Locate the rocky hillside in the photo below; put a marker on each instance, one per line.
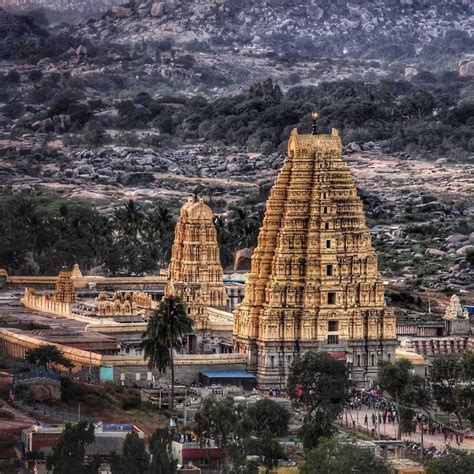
(318, 28)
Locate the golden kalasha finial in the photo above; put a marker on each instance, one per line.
(314, 125)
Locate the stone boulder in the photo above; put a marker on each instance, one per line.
(315, 12)
(455, 238)
(466, 68)
(353, 147)
(120, 12)
(243, 259)
(44, 126)
(429, 207)
(434, 253)
(81, 50)
(135, 179)
(39, 391)
(463, 251)
(158, 9)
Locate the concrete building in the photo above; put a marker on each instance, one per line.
(207, 457)
(108, 437)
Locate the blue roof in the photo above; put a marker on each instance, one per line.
(117, 427)
(228, 374)
(469, 309)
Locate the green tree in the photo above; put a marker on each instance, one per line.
(319, 380)
(133, 459)
(399, 381)
(95, 134)
(165, 330)
(160, 450)
(464, 391)
(267, 417)
(319, 383)
(446, 376)
(456, 460)
(317, 425)
(269, 451)
(68, 455)
(218, 419)
(13, 76)
(333, 456)
(48, 355)
(35, 75)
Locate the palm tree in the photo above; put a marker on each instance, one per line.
(129, 218)
(164, 333)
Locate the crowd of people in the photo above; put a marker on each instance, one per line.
(384, 411)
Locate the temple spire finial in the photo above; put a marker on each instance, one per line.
(314, 124)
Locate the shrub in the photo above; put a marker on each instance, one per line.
(131, 403)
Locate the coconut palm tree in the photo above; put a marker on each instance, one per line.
(164, 333)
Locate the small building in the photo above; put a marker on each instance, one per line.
(417, 360)
(239, 378)
(40, 439)
(207, 457)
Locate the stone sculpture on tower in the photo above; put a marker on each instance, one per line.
(314, 283)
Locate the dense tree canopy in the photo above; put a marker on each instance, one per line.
(68, 455)
(319, 383)
(133, 459)
(334, 456)
(40, 233)
(267, 417)
(318, 380)
(408, 390)
(420, 117)
(244, 430)
(218, 419)
(162, 461)
(451, 384)
(456, 460)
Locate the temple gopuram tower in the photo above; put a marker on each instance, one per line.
(195, 272)
(64, 292)
(314, 283)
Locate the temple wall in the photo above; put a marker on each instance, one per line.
(48, 282)
(45, 303)
(133, 369)
(17, 345)
(187, 366)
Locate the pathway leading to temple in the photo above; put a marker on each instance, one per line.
(390, 429)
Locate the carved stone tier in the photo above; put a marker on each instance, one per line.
(64, 292)
(195, 273)
(314, 282)
(124, 303)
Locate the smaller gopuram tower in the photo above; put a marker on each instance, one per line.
(195, 272)
(64, 292)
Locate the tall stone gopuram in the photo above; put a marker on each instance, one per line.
(314, 283)
(195, 272)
